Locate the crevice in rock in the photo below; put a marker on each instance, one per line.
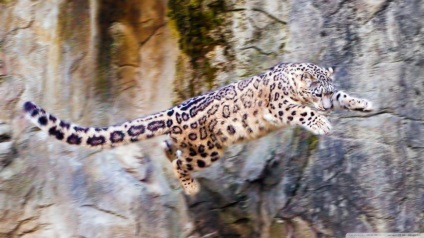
(340, 6)
(4, 138)
(383, 8)
(259, 50)
(15, 30)
(152, 34)
(269, 15)
(112, 213)
(381, 112)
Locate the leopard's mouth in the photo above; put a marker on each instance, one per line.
(319, 106)
(322, 109)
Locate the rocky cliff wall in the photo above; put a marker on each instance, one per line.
(101, 62)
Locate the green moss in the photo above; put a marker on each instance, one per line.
(109, 12)
(73, 32)
(5, 1)
(305, 139)
(197, 22)
(312, 142)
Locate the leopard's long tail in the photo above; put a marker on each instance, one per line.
(106, 137)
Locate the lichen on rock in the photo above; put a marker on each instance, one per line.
(199, 25)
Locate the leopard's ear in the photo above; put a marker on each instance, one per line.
(308, 78)
(330, 72)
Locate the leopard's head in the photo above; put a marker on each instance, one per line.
(317, 86)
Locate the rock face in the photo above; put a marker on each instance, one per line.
(101, 62)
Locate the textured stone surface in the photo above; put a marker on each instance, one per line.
(101, 62)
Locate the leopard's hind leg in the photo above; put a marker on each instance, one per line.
(194, 159)
(190, 185)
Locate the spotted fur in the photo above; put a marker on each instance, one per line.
(202, 127)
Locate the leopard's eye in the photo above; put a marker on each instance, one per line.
(318, 95)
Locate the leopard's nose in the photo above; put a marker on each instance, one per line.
(327, 108)
(326, 103)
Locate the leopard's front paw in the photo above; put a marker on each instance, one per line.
(191, 187)
(320, 125)
(368, 106)
(363, 105)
